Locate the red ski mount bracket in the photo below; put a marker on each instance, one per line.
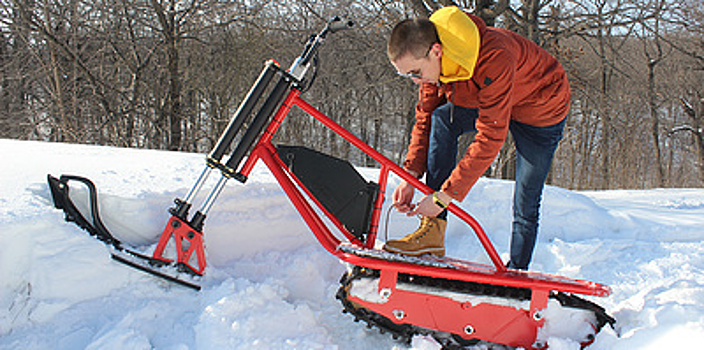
(188, 245)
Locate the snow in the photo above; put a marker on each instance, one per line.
(270, 285)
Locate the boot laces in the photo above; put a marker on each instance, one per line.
(425, 224)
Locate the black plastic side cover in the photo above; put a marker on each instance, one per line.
(335, 184)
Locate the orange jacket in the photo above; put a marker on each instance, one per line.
(513, 79)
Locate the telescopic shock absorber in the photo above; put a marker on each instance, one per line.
(214, 158)
(187, 233)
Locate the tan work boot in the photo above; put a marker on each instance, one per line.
(429, 238)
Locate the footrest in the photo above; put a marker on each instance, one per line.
(456, 269)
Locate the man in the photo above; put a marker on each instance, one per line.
(476, 78)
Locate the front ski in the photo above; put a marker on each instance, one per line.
(175, 272)
(171, 272)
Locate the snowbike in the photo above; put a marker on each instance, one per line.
(457, 302)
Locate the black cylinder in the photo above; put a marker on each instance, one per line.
(243, 112)
(259, 122)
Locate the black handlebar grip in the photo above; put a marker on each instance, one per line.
(337, 24)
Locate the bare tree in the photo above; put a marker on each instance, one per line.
(696, 117)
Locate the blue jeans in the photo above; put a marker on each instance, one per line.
(535, 148)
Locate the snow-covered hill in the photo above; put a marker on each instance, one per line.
(270, 285)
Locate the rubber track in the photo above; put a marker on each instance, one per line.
(405, 332)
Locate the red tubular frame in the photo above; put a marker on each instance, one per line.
(466, 271)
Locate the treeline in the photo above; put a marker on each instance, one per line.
(168, 74)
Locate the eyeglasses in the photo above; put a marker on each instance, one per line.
(411, 75)
(416, 73)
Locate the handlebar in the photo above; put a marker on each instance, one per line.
(302, 63)
(337, 24)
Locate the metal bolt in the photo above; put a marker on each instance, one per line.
(539, 345)
(399, 314)
(385, 293)
(537, 316)
(468, 329)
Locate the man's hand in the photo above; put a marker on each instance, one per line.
(402, 197)
(427, 207)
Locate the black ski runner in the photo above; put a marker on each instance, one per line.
(173, 272)
(170, 272)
